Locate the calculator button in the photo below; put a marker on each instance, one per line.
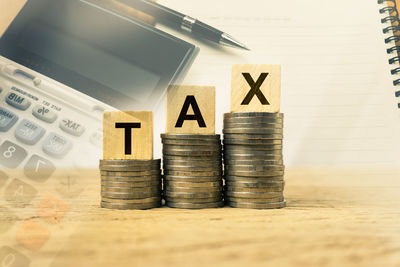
(17, 101)
(28, 132)
(39, 169)
(9, 257)
(19, 193)
(11, 155)
(57, 146)
(72, 127)
(44, 114)
(7, 119)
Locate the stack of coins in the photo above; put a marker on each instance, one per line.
(130, 184)
(253, 160)
(192, 171)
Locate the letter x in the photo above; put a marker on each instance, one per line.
(255, 88)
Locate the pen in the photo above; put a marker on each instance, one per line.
(181, 21)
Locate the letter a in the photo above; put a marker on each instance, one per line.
(190, 101)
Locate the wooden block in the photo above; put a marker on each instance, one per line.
(190, 109)
(247, 95)
(141, 138)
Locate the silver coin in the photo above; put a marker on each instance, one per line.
(191, 163)
(254, 153)
(192, 148)
(253, 162)
(253, 120)
(252, 142)
(279, 185)
(193, 153)
(265, 131)
(130, 173)
(130, 206)
(253, 136)
(192, 184)
(254, 173)
(193, 173)
(188, 205)
(257, 125)
(131, 190)
(194, 200)
(232, 178)
(190, 195)
(132, 201)
(130, 179)
(255, 200)
(255, 168)
(132, 195)
(235, 157)
(175, 189)
(249, 205)
(192, 142)
(130, 162)
(253, 114)
(193, 158)
(190, 136)
(192, 179)
(129, 184)
(260, 189)
(191, 168)
(261, 195)
(121, 168)
(252, 148)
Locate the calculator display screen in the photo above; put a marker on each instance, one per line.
(90, 61)
(116, 60)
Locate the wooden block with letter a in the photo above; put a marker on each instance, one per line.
(190, 109)
(255, 88)
(128, 135)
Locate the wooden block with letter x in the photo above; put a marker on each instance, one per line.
(190, 109)
(255, 88)
(128, 135)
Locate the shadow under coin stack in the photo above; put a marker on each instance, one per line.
(130, 184)
(192, 171)
(253, 160)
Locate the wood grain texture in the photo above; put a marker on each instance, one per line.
(270, 88)
(334, 218)
(205, 99)
(114, 139)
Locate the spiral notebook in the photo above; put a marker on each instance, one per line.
(337, 89)
(391, 28)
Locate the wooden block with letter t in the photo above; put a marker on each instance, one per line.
(128, 135)
(190, 109)
(255, 88)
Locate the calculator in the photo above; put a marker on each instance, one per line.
(62, 63)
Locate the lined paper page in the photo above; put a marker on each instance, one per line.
(337, 92)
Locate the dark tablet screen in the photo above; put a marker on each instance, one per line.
(116, 60)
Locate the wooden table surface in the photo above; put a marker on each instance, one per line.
(333, 218)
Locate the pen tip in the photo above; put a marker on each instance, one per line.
(228, 40)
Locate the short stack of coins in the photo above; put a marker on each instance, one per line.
(130, 184)
(192, 167)
(253, 161)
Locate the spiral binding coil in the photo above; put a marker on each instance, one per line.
(393, 18)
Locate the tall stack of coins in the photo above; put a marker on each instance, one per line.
(253, 161)
(192, 171)
(130, 184)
